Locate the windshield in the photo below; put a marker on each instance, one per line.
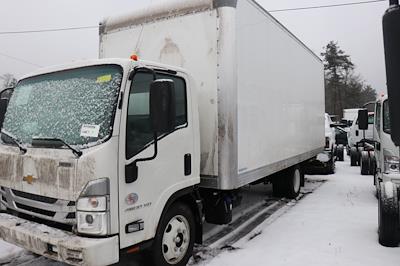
(386, 117)
(76, 106)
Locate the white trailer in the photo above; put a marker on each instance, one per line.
(129, 154)
(260, 89)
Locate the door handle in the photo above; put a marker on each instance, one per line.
(188, 164)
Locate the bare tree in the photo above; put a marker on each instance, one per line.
(8, 80)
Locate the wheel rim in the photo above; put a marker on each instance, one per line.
(176, 239)
(296, 181)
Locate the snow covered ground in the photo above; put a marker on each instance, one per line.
(335, 225)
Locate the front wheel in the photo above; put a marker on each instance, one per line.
(173, 244)
(388, 215)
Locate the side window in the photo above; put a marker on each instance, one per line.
(386, 117)
(139, 133)
(378, 117)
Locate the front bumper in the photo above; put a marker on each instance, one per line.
(395, 178)
(57, 244)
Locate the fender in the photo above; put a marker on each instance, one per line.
(189, 195)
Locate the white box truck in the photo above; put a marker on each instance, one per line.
(112, 156)
(385, 167)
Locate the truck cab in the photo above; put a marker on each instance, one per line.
(356, 135)
(74, 139)
(386, 153)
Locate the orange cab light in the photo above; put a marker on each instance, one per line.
(134, 57)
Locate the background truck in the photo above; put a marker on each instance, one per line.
(388, 193)
(360, 137)
(112, 156)
(387, 174)
(349, 115)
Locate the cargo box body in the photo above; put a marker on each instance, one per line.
(260, 90)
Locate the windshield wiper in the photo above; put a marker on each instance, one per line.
(46, 142)
(14, 139)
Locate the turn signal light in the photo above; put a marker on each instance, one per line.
(134, 57)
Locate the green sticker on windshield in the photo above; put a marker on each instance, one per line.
(103, 79)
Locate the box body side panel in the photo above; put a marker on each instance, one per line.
(188, 41)
(280, 94)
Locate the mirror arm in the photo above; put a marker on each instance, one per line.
(132, 177)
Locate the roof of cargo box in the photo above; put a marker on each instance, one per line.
(172, 8)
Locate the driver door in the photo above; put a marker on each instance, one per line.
(142, 201)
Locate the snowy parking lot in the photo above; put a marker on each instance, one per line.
(334, 225)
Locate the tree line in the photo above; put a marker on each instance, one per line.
(343, 87)
(7, 80)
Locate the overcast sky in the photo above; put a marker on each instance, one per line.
(356, 28)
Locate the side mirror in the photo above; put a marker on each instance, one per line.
(3, 110)
(363, 119)
(162, 105)
(391, 34)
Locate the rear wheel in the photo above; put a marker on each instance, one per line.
(372, 163)
(388, 215)
(365, 160)
(353, 156)
(293, 183)
(287, 183)
(174, 241)
(340, 153)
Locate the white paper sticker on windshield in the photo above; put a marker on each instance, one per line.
(91, 131)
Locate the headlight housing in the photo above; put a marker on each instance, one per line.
(391, 163)
(92, 208)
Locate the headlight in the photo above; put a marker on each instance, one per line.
(92, 208)
(391, 164)
(93, 223)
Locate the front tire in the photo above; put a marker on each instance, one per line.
(388, 215)
(174, 241)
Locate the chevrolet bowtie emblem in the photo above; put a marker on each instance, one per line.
(29, 179)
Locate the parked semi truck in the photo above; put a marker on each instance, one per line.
(113, 156)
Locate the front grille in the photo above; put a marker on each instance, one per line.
(34, 197)
(71, 215)
(35, 210)
(39, 207)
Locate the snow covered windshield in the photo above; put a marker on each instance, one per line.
(76, 106)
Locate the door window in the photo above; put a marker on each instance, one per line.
(139, 132)
(378, 117)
